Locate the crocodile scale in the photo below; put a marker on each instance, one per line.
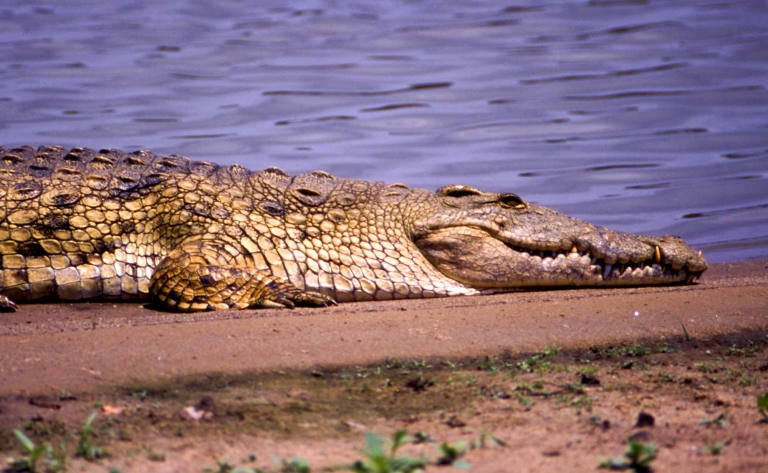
(189, 235)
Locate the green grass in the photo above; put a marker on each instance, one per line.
(294, 465)
(155, 456)
(41, 457)
(638, 458)
(88, 447)
(714, 448)
(721, 420)
(451, 453)
(762, 405)
(381, 456)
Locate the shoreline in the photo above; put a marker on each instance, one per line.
(47, 348)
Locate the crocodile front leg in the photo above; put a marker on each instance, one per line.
(192, 278)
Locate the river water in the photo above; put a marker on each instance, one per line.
(645, 116)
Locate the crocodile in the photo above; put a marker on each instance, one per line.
(79, 224)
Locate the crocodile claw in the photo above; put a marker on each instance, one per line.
(7, 305)
(313, 299)
(289, 301)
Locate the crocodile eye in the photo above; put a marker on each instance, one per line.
(458, 191)
(511, 201)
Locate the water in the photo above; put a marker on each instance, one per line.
(645, 116)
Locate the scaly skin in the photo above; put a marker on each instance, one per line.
(192, 236)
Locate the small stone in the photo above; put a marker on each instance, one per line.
(191, 413)
(645, 420)
(206, 404)
(587, 380)
(112, 411)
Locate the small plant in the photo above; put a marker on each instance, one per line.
(714, 448)
(583, 402)
(639, 457)
(224, 467)
(154, 456)
(749, 380)
(762, 405)
(667, 377)
(490, 365)
(450, 454)
(52, 460)
(721, 420)
(687, 336)
(551, 350)
(539, 361)
(525, 401)
(487, 439)
(86, 448)
(294, 465)
(637, 350)
(575, 388)
(594, 420)
(34, 454)
(380, 459)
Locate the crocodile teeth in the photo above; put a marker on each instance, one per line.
(574, 249)
(607, 271)
(657, 255)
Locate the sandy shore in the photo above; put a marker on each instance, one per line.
(46, 348)
(562, 377)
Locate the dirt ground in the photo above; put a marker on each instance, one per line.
(544, 381)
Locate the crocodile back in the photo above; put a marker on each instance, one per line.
(78, 223)
(81, 224)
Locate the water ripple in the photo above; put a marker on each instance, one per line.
(662, 93)
(659, 105)
(396, 106)
(412, 88)
(630, 29)
(713, 213)
(620, 73)
(315, 120)
(744, 155)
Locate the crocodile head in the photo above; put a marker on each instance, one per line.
(496, 241)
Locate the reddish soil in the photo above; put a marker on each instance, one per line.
(309, 382)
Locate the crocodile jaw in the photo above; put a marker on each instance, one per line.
(477, 258)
